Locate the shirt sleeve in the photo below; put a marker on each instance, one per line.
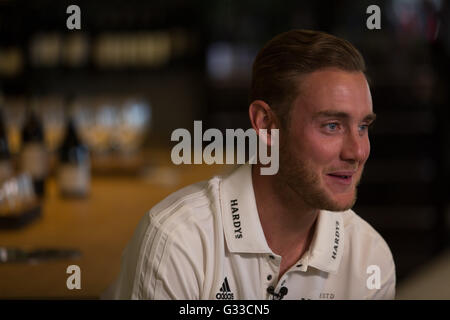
(387, 275)
(162, 261)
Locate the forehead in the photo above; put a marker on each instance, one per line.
(334, 89)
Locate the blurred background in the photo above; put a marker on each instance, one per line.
(87, 116)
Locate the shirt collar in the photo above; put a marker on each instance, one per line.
(243, 230)
(244, 233)
(327, 245)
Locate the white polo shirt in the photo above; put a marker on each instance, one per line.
(205, 241)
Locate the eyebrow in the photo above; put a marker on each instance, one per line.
(342, 115)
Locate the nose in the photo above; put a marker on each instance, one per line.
(356, 147)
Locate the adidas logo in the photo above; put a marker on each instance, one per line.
(225, 292)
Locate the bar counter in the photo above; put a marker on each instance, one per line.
(99, 225)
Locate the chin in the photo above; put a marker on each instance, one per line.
(344, 206)
(347, 204)
(342, 203)
(338, 207)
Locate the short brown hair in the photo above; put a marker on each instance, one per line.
(288, 56)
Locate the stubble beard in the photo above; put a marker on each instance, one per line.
(296, 174)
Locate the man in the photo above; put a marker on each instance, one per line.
(291, 235)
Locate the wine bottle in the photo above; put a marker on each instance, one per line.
(74, 164)
(6, 167)
(34, 158)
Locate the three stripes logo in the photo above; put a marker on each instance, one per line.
(225, 292)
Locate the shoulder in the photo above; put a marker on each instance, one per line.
(164, 258)
(184, 212)
(368, 258)
(363, 236)
(184, 203)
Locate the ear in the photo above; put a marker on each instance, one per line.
(262, 117)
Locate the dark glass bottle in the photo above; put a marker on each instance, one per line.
(34, 158)
(6, 167)
(74, 164)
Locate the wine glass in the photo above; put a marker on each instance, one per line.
(53, 117)
(133, 121)
(14, 113)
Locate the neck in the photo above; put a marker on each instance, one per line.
(288, 223)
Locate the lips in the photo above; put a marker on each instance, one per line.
(342, 174)
(342, 177)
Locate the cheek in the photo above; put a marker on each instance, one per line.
(366, 150)
(322, 151)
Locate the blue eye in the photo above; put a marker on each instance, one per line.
(332, 126)
(364, 127)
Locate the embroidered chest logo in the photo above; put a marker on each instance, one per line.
(336, 241)
(236, 219)
(225, 292)
(325, 295)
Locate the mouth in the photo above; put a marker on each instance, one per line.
(343, 178)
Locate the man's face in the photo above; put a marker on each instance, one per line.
(322, 154)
